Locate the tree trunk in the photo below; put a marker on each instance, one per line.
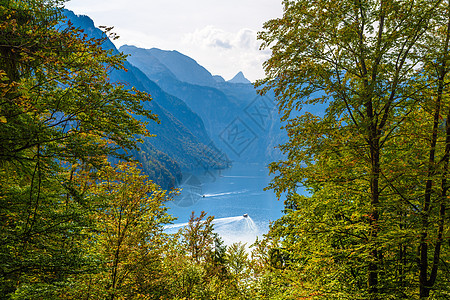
(374, 216)
(425, 283)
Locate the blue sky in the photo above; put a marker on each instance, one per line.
(220, 35)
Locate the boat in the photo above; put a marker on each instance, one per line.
(245, 215)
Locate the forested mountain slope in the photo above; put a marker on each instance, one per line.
(242, 123)
(181, 141)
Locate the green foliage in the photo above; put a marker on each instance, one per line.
(372, 226)
(373, 223)
(58, 110)
(128, 237)
(237, 259)
(72, 224)
(158, 165)
(198, 236)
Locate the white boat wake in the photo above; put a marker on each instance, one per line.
(250, 224)
(226, 193)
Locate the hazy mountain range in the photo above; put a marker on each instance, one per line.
(238, 120)
(206, 122)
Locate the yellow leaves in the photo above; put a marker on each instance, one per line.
(127, 217)
(3, 75)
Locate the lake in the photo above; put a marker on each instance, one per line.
(228, 195)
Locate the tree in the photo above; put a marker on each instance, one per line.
(198, 236)
(237, 259)
(374, 185)
(437, 110)
(196, 264)
(129, 215)
(57, 110)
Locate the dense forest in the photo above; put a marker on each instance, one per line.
(80, 219)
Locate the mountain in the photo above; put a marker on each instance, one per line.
(239, 121)
(218, 78)
(181, 142)
(211, 104)
(172, 63)
(239, 78)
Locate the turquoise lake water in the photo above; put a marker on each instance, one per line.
(228, 195)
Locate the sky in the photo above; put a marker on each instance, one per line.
(219, 34)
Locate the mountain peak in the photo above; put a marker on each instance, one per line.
(183, 67)
(218, 78)
(239, 78)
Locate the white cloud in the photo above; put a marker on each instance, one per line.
(210, 36)
(224, 52)
(220, 35)
(246, 39)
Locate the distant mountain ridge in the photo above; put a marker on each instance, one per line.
(226, 107)
(205, 120)
(210, 103)
(181, 141)
(178, 65)
(218, 78)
